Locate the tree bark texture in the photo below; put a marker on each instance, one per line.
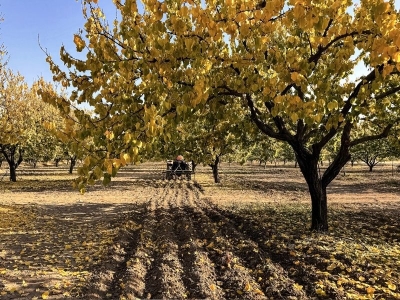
(317, 184)
(319, 209)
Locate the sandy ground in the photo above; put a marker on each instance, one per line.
(144, 237)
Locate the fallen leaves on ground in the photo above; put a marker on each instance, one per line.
(358, 259)
(176, 243)
(47, 251)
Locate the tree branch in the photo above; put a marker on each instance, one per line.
(321, 49)
(341, 158)
(266, 129)
(382, 135)
(388, 93)
(327, 27)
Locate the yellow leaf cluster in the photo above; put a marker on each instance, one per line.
(79, 42)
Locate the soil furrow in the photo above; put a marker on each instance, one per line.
(108, 282)
(164, 279)
(233, 277)
(271, 275)
(182, 246)
(198, 273)
(104, 281)
(193, 195)
(133, 284)
(257, 232)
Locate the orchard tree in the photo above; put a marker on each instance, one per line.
(22, 117)
(15, 118)
(65, 125)
(40, 144)
(291, 64)
(59, 153)
(264, 150)
(203, 138)
(285, 153)
(373, 152)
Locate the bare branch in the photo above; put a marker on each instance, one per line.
(282, 135)
(382, 135)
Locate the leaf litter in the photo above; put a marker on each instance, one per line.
(175, 242)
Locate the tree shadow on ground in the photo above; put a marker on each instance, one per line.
(339, 186)
(177, 242)
(270, 241)
(52, 248)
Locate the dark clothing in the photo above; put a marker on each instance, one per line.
(178, 166)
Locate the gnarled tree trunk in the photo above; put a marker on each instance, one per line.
(308, 163)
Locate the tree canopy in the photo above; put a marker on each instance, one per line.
(287, 66)
(22, 118)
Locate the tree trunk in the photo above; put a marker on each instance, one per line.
(370, 167)
(72, 164)
(308, 162)
(57, 161)
(193, 166)
(13, 172)
(9, 155)
(214, 167)
(319, 216)
(319, 205)
(216, 174)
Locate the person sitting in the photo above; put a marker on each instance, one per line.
(179, 165)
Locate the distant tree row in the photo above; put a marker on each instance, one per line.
(24, 131)
(34, 131)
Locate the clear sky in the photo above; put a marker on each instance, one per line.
(53, 22)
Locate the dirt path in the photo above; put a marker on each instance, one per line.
(185, 248)
(147, 238)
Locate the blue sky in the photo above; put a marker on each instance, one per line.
(54, 21)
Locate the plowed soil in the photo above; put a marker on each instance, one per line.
(183, 246)
(144, 237)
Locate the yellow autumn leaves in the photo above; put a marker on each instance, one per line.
(79, 43)
(311, 112)
(357, 260)
(293, 58)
